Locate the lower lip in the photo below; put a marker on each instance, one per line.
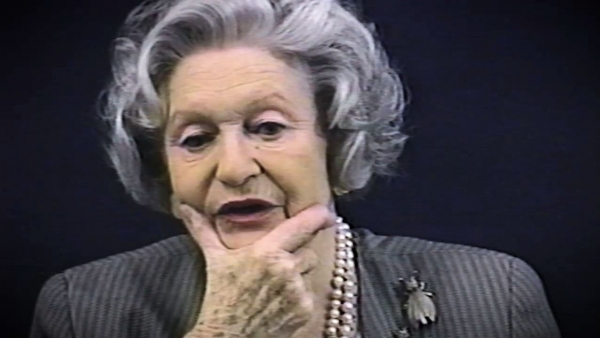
(248, 219)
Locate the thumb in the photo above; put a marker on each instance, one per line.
(200, 228)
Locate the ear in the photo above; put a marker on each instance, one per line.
(175, 207)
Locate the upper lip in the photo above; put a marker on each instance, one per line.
(242, 203)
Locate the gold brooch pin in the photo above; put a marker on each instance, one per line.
(419, 305)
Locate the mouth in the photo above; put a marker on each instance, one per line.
(248, 211)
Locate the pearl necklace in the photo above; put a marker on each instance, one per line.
(342, 316)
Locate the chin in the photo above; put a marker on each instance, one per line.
(237, 241)
(238, 235)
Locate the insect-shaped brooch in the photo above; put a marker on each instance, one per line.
(419, 305)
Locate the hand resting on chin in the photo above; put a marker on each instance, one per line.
(257, 290)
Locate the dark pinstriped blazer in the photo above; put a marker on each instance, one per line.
(156, 291)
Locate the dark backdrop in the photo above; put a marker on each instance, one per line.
(504, 151)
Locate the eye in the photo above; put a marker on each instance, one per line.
(195, 142)
(268, 129)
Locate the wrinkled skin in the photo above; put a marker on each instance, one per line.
(258, 290)
(243, 124)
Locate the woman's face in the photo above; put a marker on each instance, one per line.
(243, 124)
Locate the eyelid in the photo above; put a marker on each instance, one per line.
(275, 118)
(253, 127)
(261, 121)
(189, 131)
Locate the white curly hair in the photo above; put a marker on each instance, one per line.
(359, 97)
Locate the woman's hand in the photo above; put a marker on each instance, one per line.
(257, 290)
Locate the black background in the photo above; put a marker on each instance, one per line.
(504, 152)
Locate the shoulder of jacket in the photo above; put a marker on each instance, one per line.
(172, 247)
(376, 246)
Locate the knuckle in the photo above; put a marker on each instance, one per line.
(287, 265)
(279, 262)
(305, 306)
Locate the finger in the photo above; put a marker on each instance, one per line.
(200, 228)
(305, 260)
(299, 229)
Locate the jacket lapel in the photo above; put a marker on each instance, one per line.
(380, 297)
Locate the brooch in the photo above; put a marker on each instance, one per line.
(418, 305)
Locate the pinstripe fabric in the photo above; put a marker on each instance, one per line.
(478, 293)
(156, 292)
(151, 292)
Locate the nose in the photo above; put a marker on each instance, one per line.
(236, 161)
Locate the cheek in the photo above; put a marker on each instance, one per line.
(301, 172)
(187, 175)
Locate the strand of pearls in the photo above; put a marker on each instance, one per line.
(342, 316)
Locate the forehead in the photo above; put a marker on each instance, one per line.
(223, 80)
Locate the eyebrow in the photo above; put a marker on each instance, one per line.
(182, 118)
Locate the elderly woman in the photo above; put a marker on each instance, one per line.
(245, 119)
